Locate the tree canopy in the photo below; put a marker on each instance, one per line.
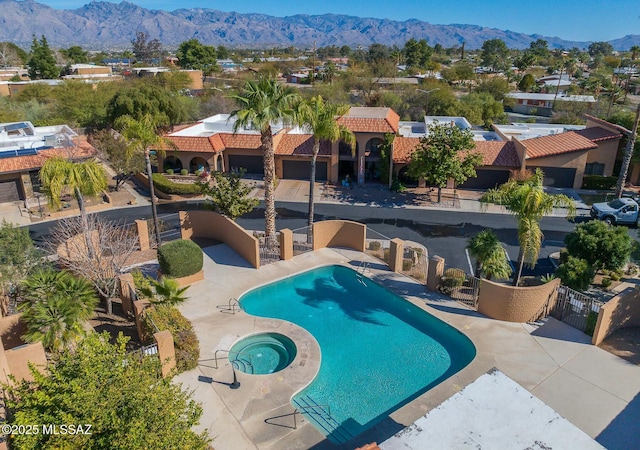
(42, 64)
(121, 395)
(494, 54)
(145, 48)
(444, 154)
(192, 54)
(601, 245)
(140, 100)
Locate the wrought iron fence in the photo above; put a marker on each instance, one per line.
(461, 286)
(170, 229)
(302, 240)
(576, 309)
(414, 261)
(269, 248)
(377, 245)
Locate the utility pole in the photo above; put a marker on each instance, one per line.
(628, 154)
(426, 106)
(313, 68)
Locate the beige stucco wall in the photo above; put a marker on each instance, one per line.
(95, 70)
(621, 311)
(15, 356)
(211, 225)
(604, 154)
(514, 304)
(11, 331)
(339, 233)
(575, 160)
(166, 351)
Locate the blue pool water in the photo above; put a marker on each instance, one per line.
(378, 350)
(262, 353)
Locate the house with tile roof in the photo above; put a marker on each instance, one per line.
(565, 153)
(542, 104)
(23, 150)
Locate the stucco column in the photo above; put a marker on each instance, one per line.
(143, 234)
(286, 244)
(435, 272)
(396, 251)
(166, 351)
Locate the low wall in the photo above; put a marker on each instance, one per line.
(15, 354)
(11, 331)
(190, 279)
(621, 311)
(211, 225)
(339, 233)
(514, 304)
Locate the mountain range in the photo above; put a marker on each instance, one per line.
(104, 25)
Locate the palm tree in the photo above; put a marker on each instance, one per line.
(142, 137)
(528, 201)
(165, 292)
(82, 178)
(263, 102)
(489, 254)
(320, 117)
(635, 51)
(57, 303)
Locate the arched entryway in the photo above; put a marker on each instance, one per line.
(173, 163)
(198, 164)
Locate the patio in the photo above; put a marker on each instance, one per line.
(593, 389)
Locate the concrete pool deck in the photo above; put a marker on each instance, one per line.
(593, 389)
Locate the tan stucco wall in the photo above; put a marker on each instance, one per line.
(11, 331)
(18, 360)
(196, 78)
(621, 311)
(575, 160)
(191, 279)
(166, 351)
(339, 233)
(514, 304)
(521, 151)
(604, 154)
(94, 70)
(211, 225)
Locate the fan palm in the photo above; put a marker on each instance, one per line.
(165, 292)
(142, 137)
(528, 201)
(82, 178)
(489, 254)
(320, 117)
(263, 102)
(57, 303)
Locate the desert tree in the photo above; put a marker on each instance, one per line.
(112, 244)
(228, 195)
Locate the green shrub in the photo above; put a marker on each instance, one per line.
(186, 344)
(169, 171)
(615, 276)
(180, 258)
(140, 282)
(451, 279)
(407, 264)
(607, 282)
(575, 273)
(184, 172)
(167, 186)
(375, 245)
(590, 326)
(598, 182)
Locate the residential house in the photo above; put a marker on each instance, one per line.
(542, 104)
(24, 149)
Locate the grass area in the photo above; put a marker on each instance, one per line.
(590, 199)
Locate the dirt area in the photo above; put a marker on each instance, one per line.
(624, 343)
(115, 324)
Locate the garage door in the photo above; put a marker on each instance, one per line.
(557, 176)
(486, 179)
(300, 170)
(252, 164)
(9, 191)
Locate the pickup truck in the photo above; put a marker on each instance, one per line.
(621, 211)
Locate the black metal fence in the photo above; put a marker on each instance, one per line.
(302, 240)
(576, 309)
(269, 248)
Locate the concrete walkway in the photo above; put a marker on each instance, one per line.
(594, 390)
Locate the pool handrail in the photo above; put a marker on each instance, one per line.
(229, 352)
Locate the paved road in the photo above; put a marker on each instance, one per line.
(443, 232)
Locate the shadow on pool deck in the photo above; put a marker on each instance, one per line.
(623, 432)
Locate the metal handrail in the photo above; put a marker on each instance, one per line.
(303, 409)
(215, 356)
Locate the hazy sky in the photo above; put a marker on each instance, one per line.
(583, 20)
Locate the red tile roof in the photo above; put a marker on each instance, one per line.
(194, 144)
(247, 141)
(24, 163)
(598, 134)
(557, 144)
(403, 147)
(498, 153)
(301, 145)
(385, 122)
(604, 123)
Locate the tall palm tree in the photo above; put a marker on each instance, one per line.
(165, 292)
(57, 303)
(528, 201)
(263, 102)
(142, 138)
(489, 254)
(82, 178)
(320, 117)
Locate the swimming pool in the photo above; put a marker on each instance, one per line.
(378, 350)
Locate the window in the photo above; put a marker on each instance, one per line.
(594, 169)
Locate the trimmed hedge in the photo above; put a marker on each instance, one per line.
(185, 341)
(167, 186)
(598, 182)
(180, 258)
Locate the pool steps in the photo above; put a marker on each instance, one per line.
(317, 414)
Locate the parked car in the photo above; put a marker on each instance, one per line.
(620, 211)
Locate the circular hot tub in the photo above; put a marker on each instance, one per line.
(264, 353)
